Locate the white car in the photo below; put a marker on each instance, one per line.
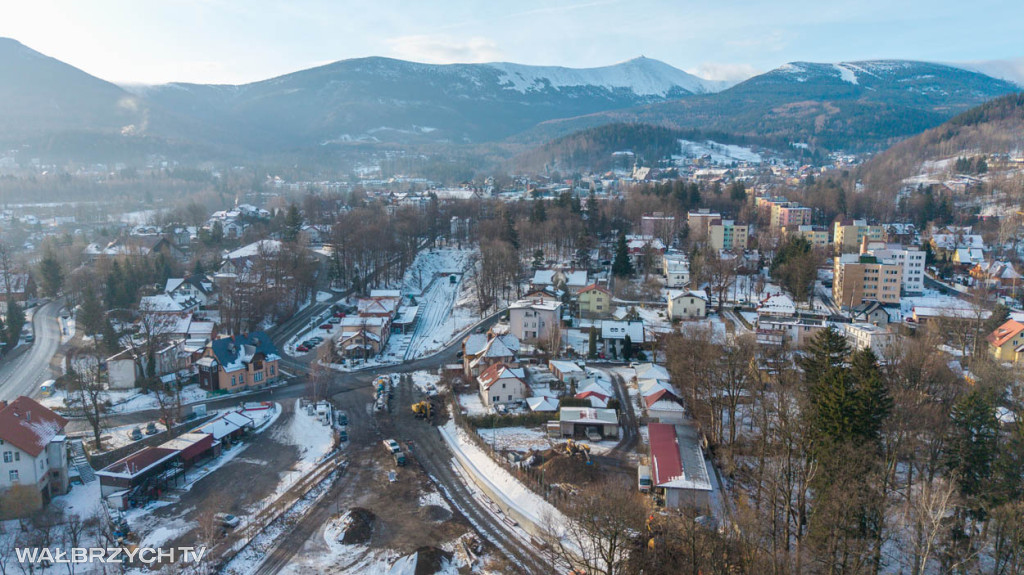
(227, 520)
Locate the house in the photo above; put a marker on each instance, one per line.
(997, 274)
(615, 333)
(870, 311)
(968, 257)
(594, 301)
(193, 288)
(482, 350)
(687, 304)
(361, 337)
(596, 392)
(163, 305)
(239, 362)
(22, 287)
(576, 421)
(33, 450)
(543, 403)
(125, 369)
(677, 466)
(676, 269)
(639, 247)
(1005, 343)
(869, 336)
(502, 384)
(571, 281)
(534, 320)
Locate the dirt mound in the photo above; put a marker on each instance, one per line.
(435, 513)
(430, 560)
(360, 527)
(565, 469)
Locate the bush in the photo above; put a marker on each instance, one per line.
(534, 419)
(573, 402)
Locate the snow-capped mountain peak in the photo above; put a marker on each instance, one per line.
(642, 76)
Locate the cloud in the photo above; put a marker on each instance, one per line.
(444, 49)
(722, 72)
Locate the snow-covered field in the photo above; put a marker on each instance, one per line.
(472, 405)
(313, 439)
(130, 400)
(720, 153)
(516, 438)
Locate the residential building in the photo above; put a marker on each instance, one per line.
(658, 224)
(859, 277)
(22, 286)
(614, 334)
(789, 214)
(595, 301)
(727, 235)
(687, 304)
(1007, 342)
(848, 235)
(642, 247)
(911, 258)
(699, 221)
(33, 450)
(997, 275)
(534, 320)
(502, 384)
(817, 235)
(482, 350)
(361, 337)
(870, 311)
(677, 466)
(239, 362)
(676, 269)
(878, 339)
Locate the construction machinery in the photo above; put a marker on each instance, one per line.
(572, 448)
(423, 409)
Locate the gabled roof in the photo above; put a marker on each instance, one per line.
(29, 426)
(497, 372)
(620, 329)
(542, 403)
(595, 287)
(1005, 332)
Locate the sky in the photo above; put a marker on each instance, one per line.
(238, 41)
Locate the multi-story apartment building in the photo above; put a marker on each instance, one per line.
(817, 235)
(911, 258)
(727, 235)
(860, 277)
(848, 235)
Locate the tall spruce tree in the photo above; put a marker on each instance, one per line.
(621, 266)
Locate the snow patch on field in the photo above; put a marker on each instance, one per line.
(719, 153)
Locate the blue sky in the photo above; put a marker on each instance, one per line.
(235, 41)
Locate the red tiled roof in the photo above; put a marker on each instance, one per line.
(139, 461)
(1005, 333)
(595, 287)
(29, 426)
(659, 395)
(665, 460)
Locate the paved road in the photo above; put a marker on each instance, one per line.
(24, 371)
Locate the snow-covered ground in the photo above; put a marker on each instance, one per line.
(445, 308)
(472, 405)
(720, 153)
(313, 439)
(514, 494)
(129, 400)
(516, 438)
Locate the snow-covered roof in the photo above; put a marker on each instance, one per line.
(587, 415)
(29, 426)
(565, 366)
(620, 329)
(543, 277)
(542, 403)
(651, 371)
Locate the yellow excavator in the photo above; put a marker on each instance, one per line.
(423, 409)
(573, 448)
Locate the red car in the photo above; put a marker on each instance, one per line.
(339, 314)
(327, 326)
(302, 348)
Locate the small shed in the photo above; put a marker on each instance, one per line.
(576, 421)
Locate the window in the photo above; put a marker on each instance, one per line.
(258, 377)
(14, 476)
(232, 380)
(271, 371)
(8, 456)
(17, 456)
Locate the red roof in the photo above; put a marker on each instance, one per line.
(139, 461)
(1005, 333)
(595, 287)
(665, 461)
(659, 395)
(29, 426)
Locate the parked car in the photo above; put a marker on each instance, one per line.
(136, 434)
(29, 338)
(335, 320)
(339, 314)
(593, 434)
(343, 434)
(342, 418)
(151, 428)
(227, 520)
(302, 348)
(392, 445)
(328, 326)
(316, 340)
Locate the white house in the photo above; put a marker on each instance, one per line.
(687, 304)
(33, 449)
(878, 339)
(501, 384)
(534, 320)
(614, 333)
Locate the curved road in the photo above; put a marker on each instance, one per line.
(23, 371)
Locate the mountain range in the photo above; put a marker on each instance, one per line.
(406, 103)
